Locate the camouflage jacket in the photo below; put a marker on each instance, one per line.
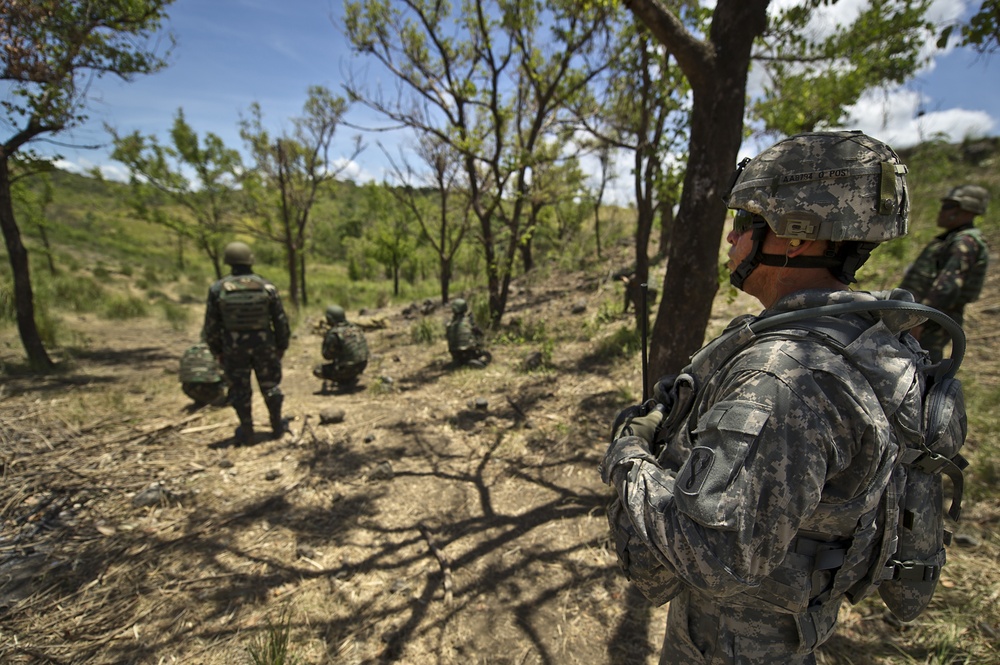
(272, 327)
(950, 271)
(345, 345)
(785, 438)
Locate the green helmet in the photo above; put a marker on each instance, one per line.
(972, 198)
(459, 306)
(335, 314)
(837, 186)
(238, 254)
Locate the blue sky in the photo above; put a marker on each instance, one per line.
(231, 53)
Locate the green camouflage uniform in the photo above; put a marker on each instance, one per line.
(764, 509)
(465, 339)
(201, 377)
(344, 345)
(245, 323)
(948, 275)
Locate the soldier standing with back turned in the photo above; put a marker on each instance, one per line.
(247, 330)
(950, 272)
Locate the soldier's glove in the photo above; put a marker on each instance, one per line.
(641, 420)
(635, 429)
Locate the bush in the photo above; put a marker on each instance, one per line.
(124, 307)
(624, 342)
(176, 315)
(424, 331)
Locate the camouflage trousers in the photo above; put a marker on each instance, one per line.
(247, 355)
(934, 338)
(339, 373)
(703, 631)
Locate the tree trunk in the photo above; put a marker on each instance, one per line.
(717, 71)
(302, 273)
(24, 300)
(445, 263)
(48, 248)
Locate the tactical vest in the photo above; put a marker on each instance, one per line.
(891, 540)
(245, 303)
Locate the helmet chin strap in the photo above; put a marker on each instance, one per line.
(842, 264)
(738, 276)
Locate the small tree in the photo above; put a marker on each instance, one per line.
(209, 201)
(287, 175)
(52, 50)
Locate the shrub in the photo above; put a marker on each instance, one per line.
(622, 343)
(424, 331)
(176, 315)
(124, 307)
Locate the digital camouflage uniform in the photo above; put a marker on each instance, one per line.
(786, 452)
(201, 376)
(246, 325)
(763, 499)
(344, 344)
(948, 275)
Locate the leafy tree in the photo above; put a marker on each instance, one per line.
(435, 202)
(287, 176)
(982, 32)
(209, 201)
(32, 203)
(389, 236)
(813, 80)
(643, 111)
(715, 61)
(491, 81)
(52, 51)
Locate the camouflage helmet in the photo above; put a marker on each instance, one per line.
(459, 306)
(335, 314)
(238, 254)
(836, 186)
(971, 198)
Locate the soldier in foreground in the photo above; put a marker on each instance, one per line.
(465, 338)
(752, 494)
(345, 347)
(201, 376)
(247, 331)
(950, 271)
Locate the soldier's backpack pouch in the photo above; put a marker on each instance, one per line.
(914, 569)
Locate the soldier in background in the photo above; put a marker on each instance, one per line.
(201, 376)
(465, 338)
(950, 271)
(345, 347)
(247, 331)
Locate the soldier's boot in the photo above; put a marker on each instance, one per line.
(278, 425)
(244, 433)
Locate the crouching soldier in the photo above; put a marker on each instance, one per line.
(465, 339)
(201, 376)
(345, 347)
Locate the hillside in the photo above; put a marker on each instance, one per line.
(452, 516)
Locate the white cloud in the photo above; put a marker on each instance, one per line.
(895, 118)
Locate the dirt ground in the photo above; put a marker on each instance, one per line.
(453, 516)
